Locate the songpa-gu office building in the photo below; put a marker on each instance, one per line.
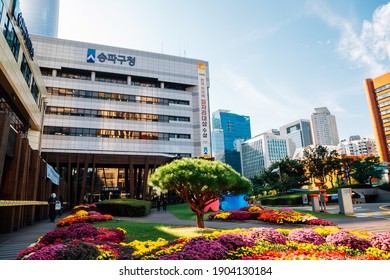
(113, 115)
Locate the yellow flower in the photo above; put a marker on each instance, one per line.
(81, 213)
(124, 231)
(144, 247)
(378, 253)
(222, 215)
(105, 254)
(254, 209)
(324, 231)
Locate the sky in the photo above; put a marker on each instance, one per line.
(272, 60)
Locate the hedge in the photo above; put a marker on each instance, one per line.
(124, 207)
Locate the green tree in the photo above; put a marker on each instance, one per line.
(319, 162)
(199, 182)
(291, 173)
(366, 170)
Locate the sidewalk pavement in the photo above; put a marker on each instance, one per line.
(15, 242)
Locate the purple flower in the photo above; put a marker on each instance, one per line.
(306, 236)
(380, 241)
(47, 253)
(199, 248)
(345, 238)
(232, 241)
(267, 234)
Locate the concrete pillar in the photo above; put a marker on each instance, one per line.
(345, 201)
(315, 204)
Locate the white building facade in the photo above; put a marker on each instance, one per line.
(362, 147)
(324, 127)
(104, 99)
(113, 115)
(259, 152)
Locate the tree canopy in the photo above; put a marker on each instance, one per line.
(199, 182)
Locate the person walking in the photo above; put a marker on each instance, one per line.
(322, 201)
(164, 204)
(52, 206)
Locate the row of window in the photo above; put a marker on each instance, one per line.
(383, 104)
(111, 133)
(382, 88)
(113, 114)
(382, 96)
(14, 45)
(114, 96)
(112, 78)
(384, 112)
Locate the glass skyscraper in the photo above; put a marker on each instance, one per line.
(229, 132)
(41, 16)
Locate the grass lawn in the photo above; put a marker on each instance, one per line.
(182, 211)
(152, 231)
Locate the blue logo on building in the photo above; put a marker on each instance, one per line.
(91, 54)
(205, 151)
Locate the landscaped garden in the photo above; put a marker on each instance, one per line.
(87, 234)
(83, 238)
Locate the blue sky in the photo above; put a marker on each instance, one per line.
(274, 61)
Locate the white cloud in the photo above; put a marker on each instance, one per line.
(365, 46)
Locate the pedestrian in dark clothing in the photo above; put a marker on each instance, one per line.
(158, 204)
(52, 206)
(164, 204)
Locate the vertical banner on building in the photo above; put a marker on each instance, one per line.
(204, 112)
(52, 175)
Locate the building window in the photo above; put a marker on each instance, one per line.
(1, 9)
(26, 71)
(109, 133)
(114, 96)
(12, 39)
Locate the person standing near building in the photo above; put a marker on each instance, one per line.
(52, 206)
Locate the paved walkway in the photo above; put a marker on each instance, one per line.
(14, 242)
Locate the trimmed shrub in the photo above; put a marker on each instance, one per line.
(124, 207)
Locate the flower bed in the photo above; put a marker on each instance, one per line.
(285, 215)
(84, 241)
(83, 216)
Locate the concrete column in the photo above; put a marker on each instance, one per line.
(93, 76)
(345, 201)
(129, 80)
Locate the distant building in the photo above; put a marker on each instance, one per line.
(298, 155)
(361, 147)
(259, 152)
(378, 96)
(229, 130)
(324, 127)
(354, 137)
(299, 132)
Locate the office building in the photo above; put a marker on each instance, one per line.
(229, 132)
(259, 152)
(299, 132)
(378, 96)
(22, 181)
(41, 16)
(360, 147)
(115, 114)
(324, 127)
